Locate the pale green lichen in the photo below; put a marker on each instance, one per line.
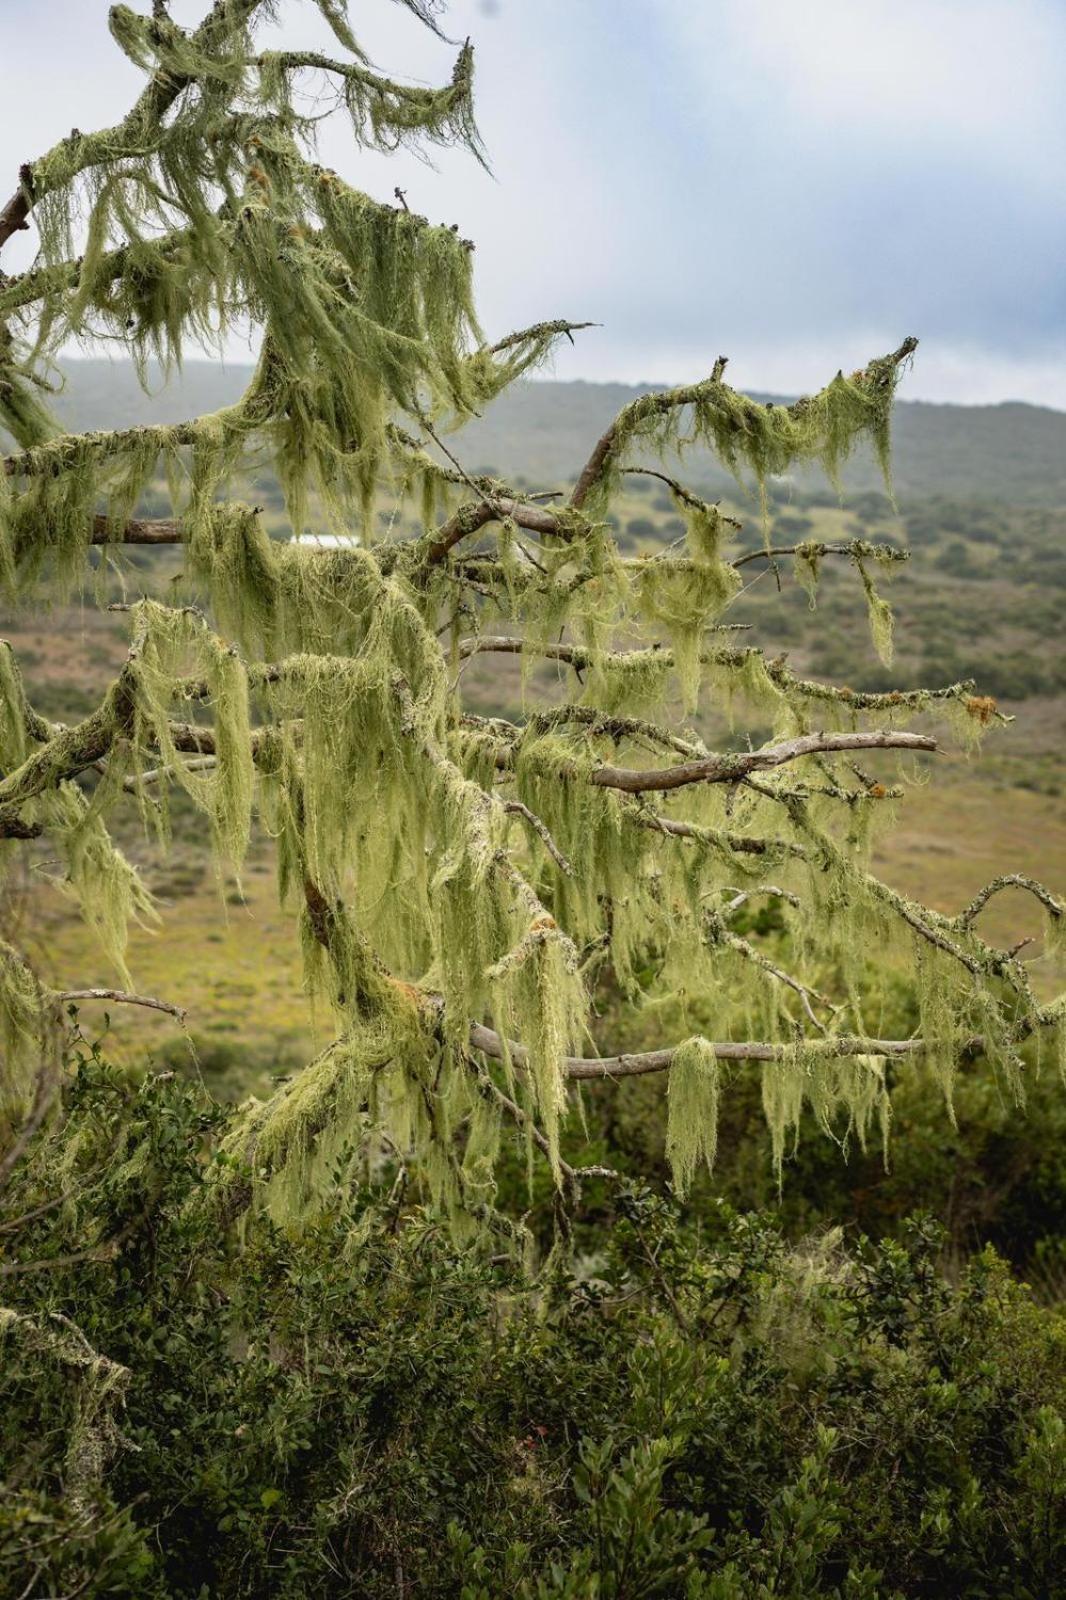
(24, 1024)
(764, 439)
(96, 1387)
(692, 1111)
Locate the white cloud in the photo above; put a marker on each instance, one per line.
(980, 78)
(797, 182)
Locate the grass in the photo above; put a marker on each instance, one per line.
(955, 834)
(235, 967)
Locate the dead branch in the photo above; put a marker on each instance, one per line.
(122, 997)
(731, 768)
(578, 1068)
(516, 808)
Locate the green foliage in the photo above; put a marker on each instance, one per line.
(708, 1412)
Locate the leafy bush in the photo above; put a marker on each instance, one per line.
(353, 1407)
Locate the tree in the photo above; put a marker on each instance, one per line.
(462, 884)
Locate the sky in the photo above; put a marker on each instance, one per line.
(796, 184)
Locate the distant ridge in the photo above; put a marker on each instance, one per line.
(1011, 452)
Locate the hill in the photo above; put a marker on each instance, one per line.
(1013, 453)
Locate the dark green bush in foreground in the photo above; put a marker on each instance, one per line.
(702, 1410)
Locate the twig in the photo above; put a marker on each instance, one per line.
(1010, 880)
(124, 998)
(516, 808)
(731, 768)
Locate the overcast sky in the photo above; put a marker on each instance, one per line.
(794, 183)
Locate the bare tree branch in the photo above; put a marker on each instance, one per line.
(516, 808)
(579, 1068)
(731, 768)
(470, 519)
(122, 997)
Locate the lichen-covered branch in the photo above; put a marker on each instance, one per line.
(769, 438)
(584, 1068)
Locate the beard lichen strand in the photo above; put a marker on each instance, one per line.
(834, 1084)
(15, 714)
(964, 988)
(540, 999)
(337, 366)
(1051, 1038)
(371, 1081)
(528, 985)
(684, 599)
(604, 851)
(49, 520)
(106, 887)
(224, 792)
(499, 946)
(389, 114)
(279, 599)
(485, 945)
(187, 132)
(23, 413)
(687, 597)
(25, 1018)
(693, 1095)
(879, 613)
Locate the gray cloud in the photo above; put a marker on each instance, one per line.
(797, 186)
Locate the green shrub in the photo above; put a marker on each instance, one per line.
(692, 1408)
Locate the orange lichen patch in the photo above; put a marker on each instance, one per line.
(878, 791)
(539, 924)
(410, 991)
(982, 708)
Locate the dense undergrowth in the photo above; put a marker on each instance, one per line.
(692, 1406)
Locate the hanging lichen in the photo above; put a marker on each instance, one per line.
(95, 1387)
(880, 615)
(692, 1112)
(765, 439)
(24, 1022)
(462, 882)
